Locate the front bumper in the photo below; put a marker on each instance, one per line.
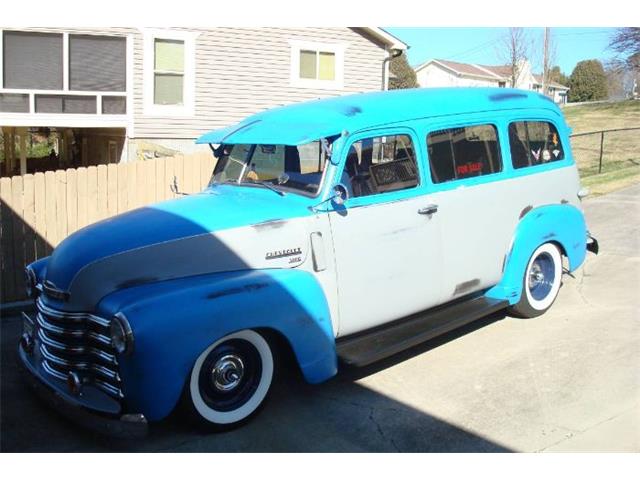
(86, 410)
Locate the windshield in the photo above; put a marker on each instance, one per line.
(296, 168)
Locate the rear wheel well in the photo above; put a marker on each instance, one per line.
(560, 247)
(563, 253)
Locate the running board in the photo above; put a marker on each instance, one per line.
(375, 344)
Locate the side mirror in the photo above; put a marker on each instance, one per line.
(340, 194)
(583, 192)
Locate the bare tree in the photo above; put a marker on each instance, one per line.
(626, 43)
(616, 79)
(513, 50)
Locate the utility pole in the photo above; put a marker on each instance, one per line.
(545, 63)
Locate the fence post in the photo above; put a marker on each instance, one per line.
(601, 146)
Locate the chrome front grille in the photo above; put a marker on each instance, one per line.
(80, 343)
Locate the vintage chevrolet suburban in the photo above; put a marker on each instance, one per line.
(345, 229)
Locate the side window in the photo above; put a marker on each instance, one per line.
(534, 143)
(311, 158)
(462, 152)
(381, 164)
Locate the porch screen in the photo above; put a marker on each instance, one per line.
(97, 63)
(32, 60)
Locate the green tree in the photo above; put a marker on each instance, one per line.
(588, 82)
(556, 75)
(402, 75)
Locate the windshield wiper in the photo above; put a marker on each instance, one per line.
(270, 186)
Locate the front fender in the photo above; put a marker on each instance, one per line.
(561, 224)
(174, 321)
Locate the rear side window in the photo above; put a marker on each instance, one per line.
(534, 143)
(463, 152)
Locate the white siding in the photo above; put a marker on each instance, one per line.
(241, 71)
(434, 75)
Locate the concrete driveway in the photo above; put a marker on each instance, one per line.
(567, 381)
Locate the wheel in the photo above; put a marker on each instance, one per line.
(230, 381)
(541, 282)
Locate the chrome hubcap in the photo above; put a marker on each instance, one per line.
(227, 373)
(536, 276)
(541, 276)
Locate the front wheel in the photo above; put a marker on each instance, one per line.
(541, 283)
(230, 380)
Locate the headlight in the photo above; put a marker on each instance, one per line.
(30, 282)
(121, 334)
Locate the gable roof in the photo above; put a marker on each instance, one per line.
(502, 71)
(386, 38)
(461, 68)
(492, 72)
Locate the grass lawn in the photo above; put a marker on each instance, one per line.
(621, 153)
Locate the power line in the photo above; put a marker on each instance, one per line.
(475, 49)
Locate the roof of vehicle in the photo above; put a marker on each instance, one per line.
(300, 123)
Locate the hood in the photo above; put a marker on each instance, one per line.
(222, 229)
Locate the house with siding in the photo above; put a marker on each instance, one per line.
(87, 96)
(445, 73)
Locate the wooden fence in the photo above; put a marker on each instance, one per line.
(38, 211)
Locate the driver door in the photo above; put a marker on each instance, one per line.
(386, 236)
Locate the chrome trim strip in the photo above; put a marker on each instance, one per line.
(108, 388)
(52, 371)
(128, 333)
(74, 333)
(92, 367)
(57, 347)
(77, 350)
(73, 316)
(101, 385)
(53, 291)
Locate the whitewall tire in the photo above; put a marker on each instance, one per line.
(230, 380)
(541, 282)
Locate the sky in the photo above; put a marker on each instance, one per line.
(481, 45)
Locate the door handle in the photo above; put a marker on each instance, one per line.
(428, 210)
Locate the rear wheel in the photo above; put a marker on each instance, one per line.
(541, 282)
(230, 380)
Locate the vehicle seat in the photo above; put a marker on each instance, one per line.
(358, 174)
(291, 159)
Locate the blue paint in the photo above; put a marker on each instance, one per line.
(40, 267)
(561, 224)
(499, 97)
(304, 122)
(219, 208)
(174, 321)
